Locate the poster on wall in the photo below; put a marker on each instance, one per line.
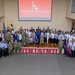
(35, 10)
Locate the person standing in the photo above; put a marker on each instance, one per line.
(60, 44)
(38, 33)
(41, 40)
(31, 40)
(72, 31)
(5, 49)
(10, 48)
(0, 36)
(65, 47)
(19, 47)
(0, 49)
(24, 41)
(48, 36)
(72, 49)
(15, 46)
(56, 38)
(7, 36)
(36, 40)
(52, 37)
(16, 37)
(27, 40)
(20, 37)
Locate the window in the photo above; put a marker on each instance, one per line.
(73, 6)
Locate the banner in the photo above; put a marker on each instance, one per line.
(36, 50)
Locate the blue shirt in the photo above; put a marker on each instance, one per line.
(61, 36)
(36, 40)
(1, 45)
(38, 34)
(5, 45)
(16, 37)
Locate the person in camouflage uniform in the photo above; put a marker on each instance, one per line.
(60, 45)
(21, 29)
(41, 40)
(43, 30)
(19, 47)
(7, 36)
(15, 46)
(23, 34)
(23, 41)
(48, 29)
(10, 47)
(27, 40)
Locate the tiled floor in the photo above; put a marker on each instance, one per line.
(37, 65)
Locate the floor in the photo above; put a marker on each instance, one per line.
(37, 65)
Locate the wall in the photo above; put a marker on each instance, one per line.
(1, 8)
(59, 20)
(69, 14)
(1, 13)
(1, 23)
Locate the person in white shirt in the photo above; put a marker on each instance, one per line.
(12, 31)
(1, 35)
(52, 37)
(48, 36)
(29, 34)
(27, 31)
(45, 37)
(33, 34)
(5, 49)
(74, 36)
(70, 38)
(67, 36)
(73, 49)
(72, 30)
(30, 40)
(56, 38)
(42, 34)
(20, 36)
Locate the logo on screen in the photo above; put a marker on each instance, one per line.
(34, 6)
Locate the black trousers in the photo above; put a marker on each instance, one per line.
(0, 52)
(5, 52)
(20, 41)
(72, 53)
(45, 39)
(49, 40)
(55, 41)
(0, 39)
(52, 41)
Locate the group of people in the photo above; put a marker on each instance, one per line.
(11, 41)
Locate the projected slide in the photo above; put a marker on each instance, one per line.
(35, 10)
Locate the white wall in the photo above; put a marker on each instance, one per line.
(1, 13)
(1, 8)
(59, 20)
(1, 23)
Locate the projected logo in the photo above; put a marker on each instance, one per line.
(35, 9)
(34, 6)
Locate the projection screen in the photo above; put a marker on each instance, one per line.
(35, 10)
